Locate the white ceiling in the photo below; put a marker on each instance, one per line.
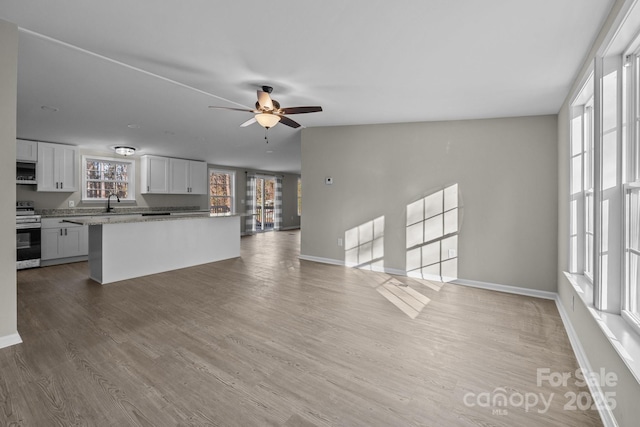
(159, 64)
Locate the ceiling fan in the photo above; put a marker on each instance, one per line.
(268, 112)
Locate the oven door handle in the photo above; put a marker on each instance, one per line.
(28, 225)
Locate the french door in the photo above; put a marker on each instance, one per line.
(265, 203)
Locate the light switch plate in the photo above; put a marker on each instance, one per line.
(72, 204)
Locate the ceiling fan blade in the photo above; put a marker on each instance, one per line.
(251, 121)
(234, 109)
(301, 110)
(287, 121)
(264, 100)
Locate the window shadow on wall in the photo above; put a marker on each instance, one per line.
(364, 245)
(432, 236)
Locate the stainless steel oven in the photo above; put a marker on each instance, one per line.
(28, 236)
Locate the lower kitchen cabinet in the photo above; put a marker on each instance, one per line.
(63, 241)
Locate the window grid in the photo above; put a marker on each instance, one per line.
(631, 293)
(103, 177)
(221, 191)
(588, 167)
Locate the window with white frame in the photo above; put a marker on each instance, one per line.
(588, 170)
(221, 191)
(103, 176)
(581, 184)
(631, 294)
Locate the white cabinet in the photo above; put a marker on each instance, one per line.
(57, 168)
(63, 240)
(199, 178)
(26, 151)
(154, 174)
(187, 177)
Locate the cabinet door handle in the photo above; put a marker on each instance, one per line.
(61, 185)
(61, 231)
(65, 231)
(57, 185)
(147, 188)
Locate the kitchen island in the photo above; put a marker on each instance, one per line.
(125, 247)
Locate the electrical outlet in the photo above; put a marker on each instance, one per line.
(72, 204)
(340, 241)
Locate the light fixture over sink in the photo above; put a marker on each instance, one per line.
(125, 151)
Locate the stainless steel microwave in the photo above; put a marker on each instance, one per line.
(25, 173)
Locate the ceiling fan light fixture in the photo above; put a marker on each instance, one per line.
(267, 120)
(125, 151)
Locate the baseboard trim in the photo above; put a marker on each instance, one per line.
(606, 415)
(293, 227)
(507, 288)
(321, 260)
(9, 340)
(341, 263)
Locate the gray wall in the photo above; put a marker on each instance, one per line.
(507, 175)
(8, 87)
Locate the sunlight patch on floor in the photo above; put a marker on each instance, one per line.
(408, 300)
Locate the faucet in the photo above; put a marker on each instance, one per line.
(109, 208)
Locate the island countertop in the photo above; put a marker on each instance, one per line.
(122, 248)
(132, 218)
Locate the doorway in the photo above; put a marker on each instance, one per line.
(265, 203)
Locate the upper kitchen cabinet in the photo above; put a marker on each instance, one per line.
(154, 174)
(187, 177)
(57, 167)
(26, 151)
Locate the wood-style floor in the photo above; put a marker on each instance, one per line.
(269, 340)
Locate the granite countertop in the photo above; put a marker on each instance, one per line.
(79, 212)
(132, 218)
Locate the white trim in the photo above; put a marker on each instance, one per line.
(606, 415)
(332, 261)
(321, 260)
(507, 288)
(232, 196)
(9, 340)
(131, 182)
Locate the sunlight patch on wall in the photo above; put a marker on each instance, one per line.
(364, 245)
(432, 236)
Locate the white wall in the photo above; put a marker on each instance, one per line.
(506, 170)
(8, 87)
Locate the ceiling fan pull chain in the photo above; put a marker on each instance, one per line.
(265, 134)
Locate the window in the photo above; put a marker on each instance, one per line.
(582, 184)
(631, 294)
(221, 191)
(299, 196)
(103, 176)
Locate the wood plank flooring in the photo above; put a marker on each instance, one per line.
(269, 340)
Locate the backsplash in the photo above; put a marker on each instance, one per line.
(132, 210)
